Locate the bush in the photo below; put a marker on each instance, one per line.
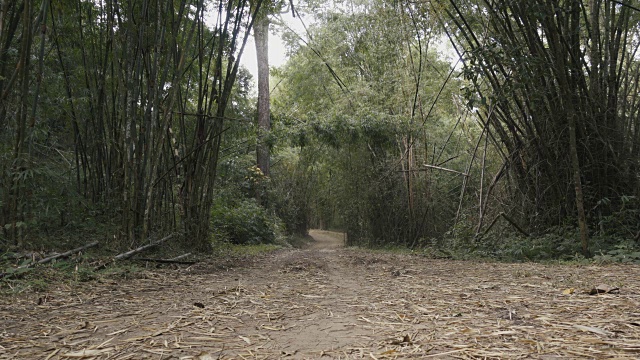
(243, 222)
(624, 252)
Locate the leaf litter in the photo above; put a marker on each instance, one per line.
(335, 303)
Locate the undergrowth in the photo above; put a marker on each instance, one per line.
(234, 250)
(560, 243)
(75, 271)
(71, 272)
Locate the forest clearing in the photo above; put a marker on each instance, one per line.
(327, 301)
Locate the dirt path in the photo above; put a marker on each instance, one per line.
(335, 303)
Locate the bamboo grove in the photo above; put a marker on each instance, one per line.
(542, 137)
(116, 112)
(137, 89)
(557, 84)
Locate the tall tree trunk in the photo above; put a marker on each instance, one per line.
(577, 183)
(19, 162)
(261, 34)
(560, 43)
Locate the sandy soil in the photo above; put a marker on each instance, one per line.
(330, 302)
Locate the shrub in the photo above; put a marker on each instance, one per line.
(625, 252)
(243, 222)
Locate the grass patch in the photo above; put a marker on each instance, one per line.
(235, 250)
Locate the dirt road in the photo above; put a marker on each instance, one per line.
(335, 303)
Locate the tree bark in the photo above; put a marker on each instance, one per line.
(261, 35)
(577, 182)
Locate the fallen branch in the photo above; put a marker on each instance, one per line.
(175, 260)
(129, 254)
(49, 259)
(68, 253)
(180, 257)
(167, 261)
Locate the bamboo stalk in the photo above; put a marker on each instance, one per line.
(51, 258)
(130, 253)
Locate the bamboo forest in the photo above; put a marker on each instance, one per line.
(306, 179)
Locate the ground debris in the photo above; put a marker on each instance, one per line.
(334, 303)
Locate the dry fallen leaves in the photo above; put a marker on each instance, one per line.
(333, 304)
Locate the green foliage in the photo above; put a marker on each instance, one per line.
(238, 218)
(54, 213)
(236, 215)
(71, 271)
(15, 264)
(622, 219)
(625, 252)
(233, 251)
(356, 102)
(110, 125)
(557, 243)
(243, 222)
(510, 68)
(546, 247)
(121, 147)
(292, 190)
(239, 175)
